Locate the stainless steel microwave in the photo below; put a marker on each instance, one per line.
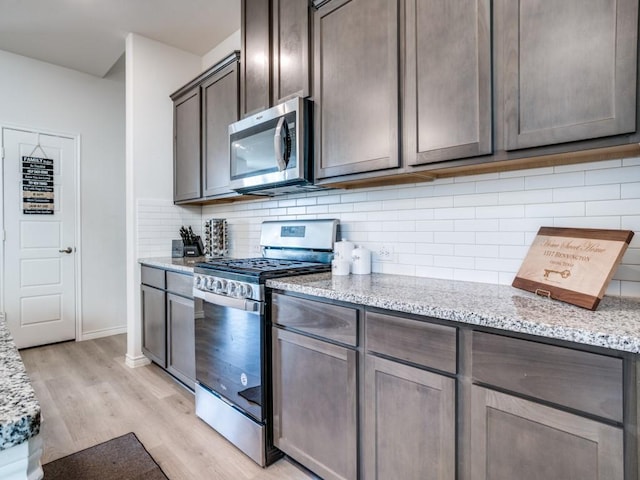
(270, 152)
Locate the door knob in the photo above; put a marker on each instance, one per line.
(66, 250)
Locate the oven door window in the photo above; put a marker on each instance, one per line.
(229, 356)
(253, 151)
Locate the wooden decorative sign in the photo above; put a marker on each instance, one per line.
(573, 265)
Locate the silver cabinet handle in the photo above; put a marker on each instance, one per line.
(66, 250)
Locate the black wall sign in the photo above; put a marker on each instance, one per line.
(37, 186)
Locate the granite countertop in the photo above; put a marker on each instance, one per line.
(181, 264)
(614, 325)
(19, 407)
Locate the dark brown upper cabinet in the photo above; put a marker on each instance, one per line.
(202, 112)
(447, 98)
(255, 61)
(356, 87)
(569, 70)
(275, 52)
(291, 49)
(186, 145)
(220, 108)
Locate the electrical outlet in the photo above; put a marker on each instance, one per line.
(384, 253)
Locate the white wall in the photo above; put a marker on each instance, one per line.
(228, 45)
(153, 72)
(475, 228)
(38, 95)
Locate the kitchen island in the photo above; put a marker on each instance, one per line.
(20, 442)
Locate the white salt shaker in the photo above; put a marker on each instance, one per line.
(360, 261)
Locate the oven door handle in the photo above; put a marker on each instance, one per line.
(231, 302)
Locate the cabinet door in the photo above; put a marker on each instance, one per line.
(256, 53)
(448, 80)
(515, 438)
(186, 144)
(356, 87)
(315, 404)
(569, 70)
(290, 49)
(154, 329)
(181, 358)
(220, 107)
(409, 423)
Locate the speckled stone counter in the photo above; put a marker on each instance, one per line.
(19, 407)
(614, 325)
(183, 264)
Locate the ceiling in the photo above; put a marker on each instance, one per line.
(89, 35)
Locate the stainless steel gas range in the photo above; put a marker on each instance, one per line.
(233, 389)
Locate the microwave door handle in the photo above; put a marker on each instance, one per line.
(282, 157)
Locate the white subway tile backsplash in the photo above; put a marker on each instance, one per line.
(596, 192)
(613, 175)
(455, 237)
(434, 248)
(476, 276)
(500, 212)
(501, 185)
(454, 213)
(500, 238)
(554, 180)
(525, 197)
(473, 251)
(435, 226)
(524, 224)
(614, 207)
(476, 227)
(453, 261)
(404, 204)
(587, 222)
(630, 190)
(480, 199)
(488, 225)
(568, 209)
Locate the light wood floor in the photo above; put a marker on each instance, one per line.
(88, 395)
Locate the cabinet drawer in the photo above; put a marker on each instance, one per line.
(153, 277)
(180, 284)
(332, 322)
(414, 341)
(583, 381)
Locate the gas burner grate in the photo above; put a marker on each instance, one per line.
(260, 266)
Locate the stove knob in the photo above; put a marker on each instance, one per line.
(197, 281)
(242, 291)
(232, 289)
(209, 283)
(248, 291)
(223, 286)
(216, 285)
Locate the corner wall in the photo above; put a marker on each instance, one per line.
(153, 72)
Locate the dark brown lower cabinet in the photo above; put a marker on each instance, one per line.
(315, 404)
(154, 329)
(181, 353)
(516, 438)
(410, 422)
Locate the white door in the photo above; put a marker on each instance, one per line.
(39, 250)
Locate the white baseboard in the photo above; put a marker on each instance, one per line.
(105, 332)
(133, 362)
